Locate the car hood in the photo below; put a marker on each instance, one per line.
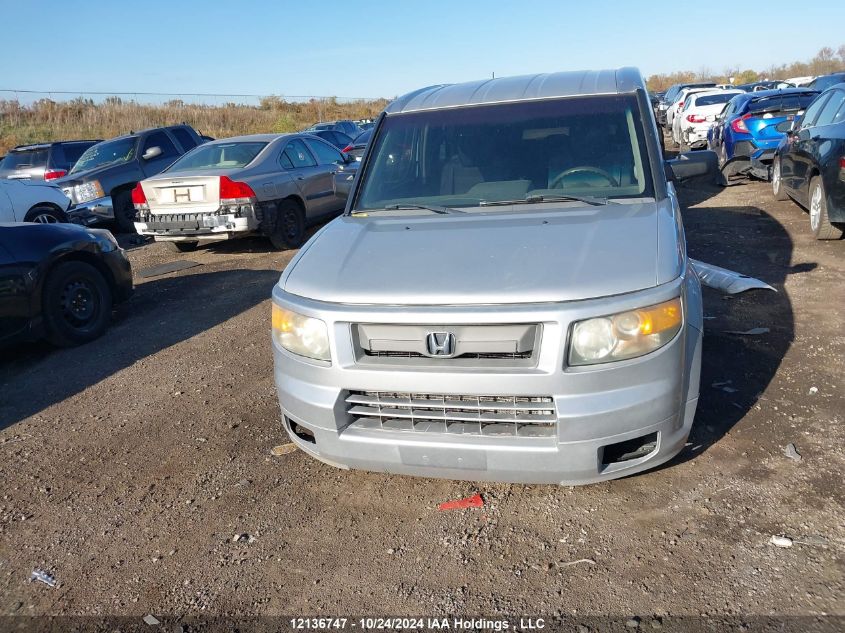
(97, 173)
(554, 253)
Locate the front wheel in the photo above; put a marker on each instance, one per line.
(124, 211)
(819, 221)
(45, 215)
(288, 229)
(77, 304)
(777, 181)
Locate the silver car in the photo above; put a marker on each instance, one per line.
(274, 184)
(508, 296)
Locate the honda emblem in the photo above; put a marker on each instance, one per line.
(440, 343)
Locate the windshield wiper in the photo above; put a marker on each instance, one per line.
(428, 207)
(597, 202)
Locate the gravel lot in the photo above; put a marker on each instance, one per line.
(129, 464)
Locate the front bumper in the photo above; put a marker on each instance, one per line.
(92, 212)
(594, 407)
(121, 273)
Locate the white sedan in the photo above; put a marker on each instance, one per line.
(22, 201)
(698, 114)
(679, 103)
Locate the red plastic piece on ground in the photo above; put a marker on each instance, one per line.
(475, 501)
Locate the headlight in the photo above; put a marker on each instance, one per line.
(625, 335)
(105, 240)
(88, 191)
(300, 334)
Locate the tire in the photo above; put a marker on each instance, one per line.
(44, 214)
(820, 223)
(288, 229)
(77, 303)
(124, 211)
(777, 181)
(183, 247)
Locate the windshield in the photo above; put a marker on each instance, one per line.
(825, 82)
(24, 159)
(364, 137)
(707, 100)
(218, 156)
(472, 156)
(118, 151)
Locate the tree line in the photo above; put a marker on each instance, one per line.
(48, 120)
(826, 61)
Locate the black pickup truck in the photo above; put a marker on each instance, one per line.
(101, 182)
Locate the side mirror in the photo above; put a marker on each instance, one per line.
(796, 123)
(151, 153)
(348, 158)
(692, 164)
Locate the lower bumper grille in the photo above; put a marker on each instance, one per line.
(511, 416)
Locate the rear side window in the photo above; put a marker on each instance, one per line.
(160, 139)
(25, 160)
(296, 155)
(72, 151)
(326, 154)
(185, 140)
(813, 111)
(831, 108)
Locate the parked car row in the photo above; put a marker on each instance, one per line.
(808, 165)
(793, 136)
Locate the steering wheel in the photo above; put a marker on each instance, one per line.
(584, 168)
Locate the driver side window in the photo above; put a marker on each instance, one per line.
(161, 140)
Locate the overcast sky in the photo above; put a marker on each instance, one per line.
(363, 48)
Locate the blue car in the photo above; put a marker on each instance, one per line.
(751, 126)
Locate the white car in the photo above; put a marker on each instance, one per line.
(700, 110)
(22, 201)
(679, 102)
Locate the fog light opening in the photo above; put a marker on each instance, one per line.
(303, 433)
(629, 449)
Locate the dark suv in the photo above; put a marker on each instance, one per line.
(43, 161)
(101, 182)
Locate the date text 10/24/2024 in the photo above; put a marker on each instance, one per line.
(423, 624)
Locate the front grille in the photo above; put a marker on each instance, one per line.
(486, 355)
(492, 345)
(511, 416)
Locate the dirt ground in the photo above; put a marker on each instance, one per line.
(129, 464)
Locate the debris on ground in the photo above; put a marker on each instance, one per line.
(164, 269)
(42, 576)
(283, 449)
(726, 280)
(151, 620)
(752, 332)
(588, 561)
(475, 501)
(814, 390)
(779, 540)
(632, 623)
(244, 538)
(724, 386)
(792, 452)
